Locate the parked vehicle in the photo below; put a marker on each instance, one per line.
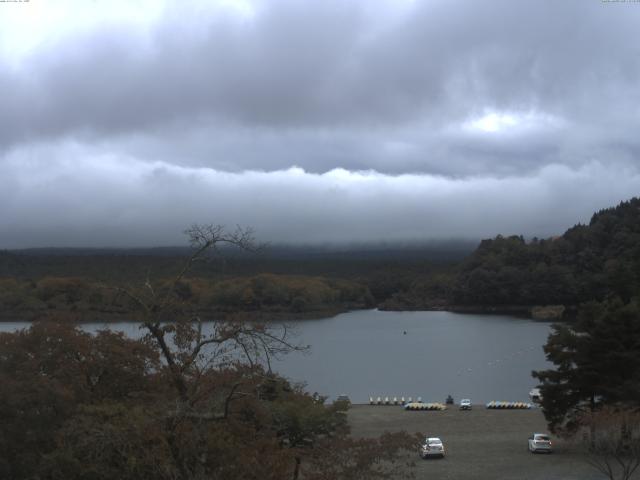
(535, 395)
(343, 398)
(465, 404)
(540, 442)
(433, 447)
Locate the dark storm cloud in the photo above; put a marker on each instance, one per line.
(300, 65)
(472, 117)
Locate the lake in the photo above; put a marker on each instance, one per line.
(412, 354)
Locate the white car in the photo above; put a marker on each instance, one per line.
(465, 404)
(540, 442)
(433, 447)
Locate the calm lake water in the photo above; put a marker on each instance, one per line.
(367, 353)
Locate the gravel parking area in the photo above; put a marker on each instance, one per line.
(480, 444)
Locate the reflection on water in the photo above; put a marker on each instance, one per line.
(429, 354)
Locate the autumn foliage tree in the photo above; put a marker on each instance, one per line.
(189, 400)
(611, 441)
(52, 369)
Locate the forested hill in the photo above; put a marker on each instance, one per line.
(588, 262)
(277, 281)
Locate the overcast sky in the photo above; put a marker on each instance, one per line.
(122, 123)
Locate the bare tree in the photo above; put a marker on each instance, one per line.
(192, 350)
(611, 441)
(178, 332)
(222, 413)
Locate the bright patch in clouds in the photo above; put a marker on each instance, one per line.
(493, 122)
(27, 26)
(510, 122)
(244, 8)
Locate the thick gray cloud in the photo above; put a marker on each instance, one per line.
(405, 119)
(88, 199)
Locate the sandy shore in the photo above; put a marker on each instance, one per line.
(481, 444)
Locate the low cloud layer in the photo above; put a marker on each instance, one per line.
(125, 202)
(124, 122)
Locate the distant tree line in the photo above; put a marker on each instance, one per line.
(408, 273)
(589, 262)
(261, 293)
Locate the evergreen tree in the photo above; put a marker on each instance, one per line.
(597, 363)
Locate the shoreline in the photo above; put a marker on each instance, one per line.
(551, 313)
(124, 317)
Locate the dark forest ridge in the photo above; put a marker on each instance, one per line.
(511, 274)
(587, 263)
(433, 248)
(332, 260)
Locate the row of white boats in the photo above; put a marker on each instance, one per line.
(418, 404)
